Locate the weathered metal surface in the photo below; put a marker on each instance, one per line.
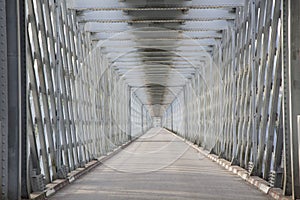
(3, 101)
(291, 96)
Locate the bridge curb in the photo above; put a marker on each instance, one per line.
(58, 184)
(261, 184)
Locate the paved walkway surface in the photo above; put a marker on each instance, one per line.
(159, 166)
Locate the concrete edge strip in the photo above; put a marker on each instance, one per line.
(261, 184)
(58, 184)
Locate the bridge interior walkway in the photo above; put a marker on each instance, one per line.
(159, 165)
(82, 78)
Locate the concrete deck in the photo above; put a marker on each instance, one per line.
(159, 166)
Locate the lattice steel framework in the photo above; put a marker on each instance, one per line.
(225, 75)
(235, 108)
(79, 108)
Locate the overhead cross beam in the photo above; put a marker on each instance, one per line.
(140, 4)
(179, 25)
(167, 34)
(120, 17)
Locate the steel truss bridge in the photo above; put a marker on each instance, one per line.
(80, 79)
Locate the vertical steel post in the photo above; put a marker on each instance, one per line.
(220, 110)
(59, 116)
(14, 51)
(3, 102)
(253, 85)
(23, 102)
(291, 88)
(129, 114)
(172, 120)
(142, 118)
(234, 110)
(185, 111)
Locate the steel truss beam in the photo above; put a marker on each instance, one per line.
(82, 103)
(291, 105)
(215, 25)
(118, 16)
(79, 108)
(3, 101)
(13, 101)
(241, 88)
(168, 35)
(139, 4)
